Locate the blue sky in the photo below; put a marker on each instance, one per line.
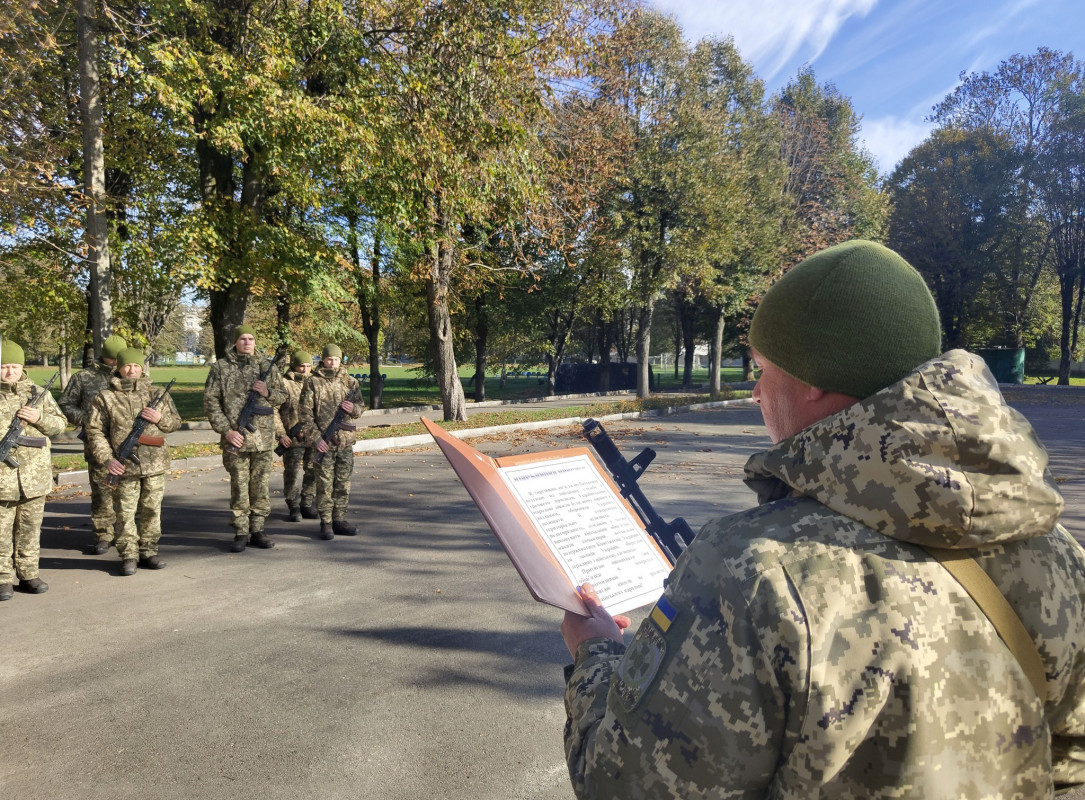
(894, 58)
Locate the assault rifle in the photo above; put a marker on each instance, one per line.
(127, 450)
(244, 419)
(14, 437)
(293, 434)
(673, 537)
(338, 423)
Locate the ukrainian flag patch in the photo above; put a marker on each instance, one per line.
(663, 614)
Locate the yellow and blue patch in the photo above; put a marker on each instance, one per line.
(663, 614)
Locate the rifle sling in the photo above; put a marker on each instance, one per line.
(152, 441)
(997, 609)
(262, 411)
(31, 441)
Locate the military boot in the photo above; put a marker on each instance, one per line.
(7, 591)
(261, 539)
(309, 511)
(34, 586)
(101, 547)
(128, 566)
(295, 511)
(151, 562)
(326, 530)
(240, 542)
(343, 528)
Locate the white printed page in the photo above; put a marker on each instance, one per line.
(591, 532)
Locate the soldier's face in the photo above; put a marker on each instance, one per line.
(303, 369)
(330, 362)
(131, 371)
(11, 373)
(785, 401)
(246, 344)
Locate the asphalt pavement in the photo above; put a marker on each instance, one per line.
(406, 662)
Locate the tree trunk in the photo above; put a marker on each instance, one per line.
(226, 310)
(368, 295)
(440, 331)
(1067, 279)
(644, 344)
(716, 360)
(688, 344)
(482, 335)
(605, 330)
(100, 289)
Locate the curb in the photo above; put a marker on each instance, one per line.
(68, 479)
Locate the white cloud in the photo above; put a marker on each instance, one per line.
(890, 139)
(767, 32)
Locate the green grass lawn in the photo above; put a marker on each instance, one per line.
(403, 386)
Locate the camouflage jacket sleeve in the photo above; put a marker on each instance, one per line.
(71, 400)
(276, 391)
(309, 432)
(52, 420)
(212, 401)
(98, 433)
(692, 709)
(171, 419)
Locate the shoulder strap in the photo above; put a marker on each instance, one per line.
(994, 605)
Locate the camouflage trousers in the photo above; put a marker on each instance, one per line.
(20, 538)
(140, 502)
(250, 500)
(333, 484)
(103, 504)
(299, 483)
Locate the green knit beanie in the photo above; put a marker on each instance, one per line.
(241, 330)
(301, 358)
(129, 355)
(113, 345)
(854, 319)
(11, 353)
(332, 350)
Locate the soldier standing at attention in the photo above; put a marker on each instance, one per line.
(75, 402)
(324, 393)
(227, 390)
(298, 481)
(826, 643)
(23, 488)
(142, 485)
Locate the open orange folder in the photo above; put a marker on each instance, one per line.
(562, 522)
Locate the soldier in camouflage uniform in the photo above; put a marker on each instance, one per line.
(141, 485)
(299, 483)
(812, 646)
(23, 488)
(324, 393)
(227, 390)
(75, 402)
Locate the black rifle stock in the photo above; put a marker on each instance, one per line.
(338, 423)
(15, 430)
(672, 537)
(127, 450)
(250, 410)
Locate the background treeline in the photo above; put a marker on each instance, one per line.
(508, 182)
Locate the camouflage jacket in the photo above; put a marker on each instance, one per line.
(810, 647)
(227, 391)
(111, 419)
(287, 416)
(79, 394)
(34, 475)
(322, 394)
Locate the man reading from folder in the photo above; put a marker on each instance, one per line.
(818, 645)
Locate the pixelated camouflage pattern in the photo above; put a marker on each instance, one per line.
(320, 397)
(140, 512)
(114, 412)
(103, 500)
(333, 484)
(20, 538)
(227, 390)
(818, 651)
(289, 415)
(85, 385)
(34, 477)
(250, 497)
(299, 482)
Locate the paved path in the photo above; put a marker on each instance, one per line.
(407, 662)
